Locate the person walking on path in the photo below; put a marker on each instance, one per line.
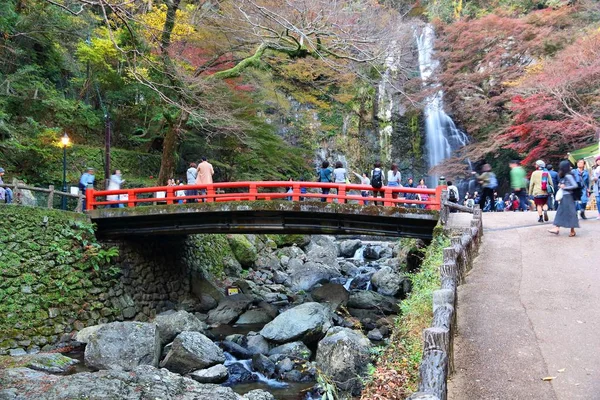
(377, 180)
(394, 177)
(596, 184)
(518, 184)
(205, 175)
(324, 175)
(566, 216)
(364, 180)
(115, 183)
(6, 193)
(191, 175)
(582, 176)
(489, 183)
(540, 187)
(553, 205)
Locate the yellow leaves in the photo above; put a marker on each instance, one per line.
(100, 51)
(154, 22)
(530, 70)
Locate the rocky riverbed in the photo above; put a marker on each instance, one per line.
(314, 306)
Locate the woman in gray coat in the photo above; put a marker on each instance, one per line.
(566, 216)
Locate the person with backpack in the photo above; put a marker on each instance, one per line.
(582, 177)
(452, 195)
(566, 216)
(540, 187)
(324, 175)
(377, 180)
(596, 184)
(489, 183)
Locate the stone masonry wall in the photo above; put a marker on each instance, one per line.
(56, 278)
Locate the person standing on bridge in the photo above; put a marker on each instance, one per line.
(540, 187)
(115, 183)
(518, 184)
(566, 216)
(377, 180)
(191, 175)
(324, 175)
(205, 175)
(394, 177)
(364, 180)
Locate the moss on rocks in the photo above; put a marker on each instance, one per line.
(242, 249)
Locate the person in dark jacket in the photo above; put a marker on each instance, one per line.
(566, 216)
(552, 205)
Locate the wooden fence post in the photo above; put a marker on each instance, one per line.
(51, 196)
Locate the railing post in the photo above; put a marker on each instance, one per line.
(330, 196)
(16, 191)
(252, 192)
(387, 197)
(131, 197)
(169, 196)
(78, 207)
(51, 196)
(90, 200)
(210, 193)
(438, 197)
(296, 192)
(341, 192)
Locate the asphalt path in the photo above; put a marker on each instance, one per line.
(528, 311)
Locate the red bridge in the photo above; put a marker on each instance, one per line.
(266, 207)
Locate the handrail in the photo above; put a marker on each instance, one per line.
(458, 207)
(250, 191)
(16, 187)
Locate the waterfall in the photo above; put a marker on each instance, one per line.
(385, 110)
(442, 135)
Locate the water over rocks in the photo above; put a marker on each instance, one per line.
(289, 321)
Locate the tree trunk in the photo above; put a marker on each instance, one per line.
(170, 144)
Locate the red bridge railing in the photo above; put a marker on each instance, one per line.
(268, 190)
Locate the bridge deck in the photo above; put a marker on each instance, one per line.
(265, 217)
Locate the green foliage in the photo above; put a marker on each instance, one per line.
(327, 386)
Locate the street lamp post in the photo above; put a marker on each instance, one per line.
(64, 140)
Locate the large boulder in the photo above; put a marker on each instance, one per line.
(264, 365)
(322, 249)
(294, 350)
(290, 240)
(192, 351)
(171, 323)
(389, 283)
(258, 394)
(243, 250)
(307, 322)
(335, 295)
(229, 309)
(214, 374)
(306, 276)
(348, 248)
(83, 335)
(343, 356)
(370, 300)
(123, 346)
(257, 344)
(256, 316)
(142, 383)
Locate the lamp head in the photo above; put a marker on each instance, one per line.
(65, 140)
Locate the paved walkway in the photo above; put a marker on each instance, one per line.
(530, 309)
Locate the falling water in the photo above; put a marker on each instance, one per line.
(442, 135)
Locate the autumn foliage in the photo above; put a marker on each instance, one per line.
(523, 83)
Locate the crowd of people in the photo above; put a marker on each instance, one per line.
(377, 178)
(566, 191)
